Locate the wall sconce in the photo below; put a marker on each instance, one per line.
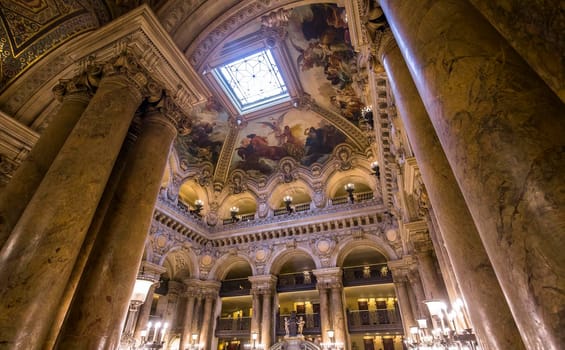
(198, 205)
(331, 345)
(233, 212)
(349, 188)
(193, 344)
(154, 336)
(287, 201)
(376, 169)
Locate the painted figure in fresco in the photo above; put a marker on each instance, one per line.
(320, 142)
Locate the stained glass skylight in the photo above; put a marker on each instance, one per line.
(253, 82)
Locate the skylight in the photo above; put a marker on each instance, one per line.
(253, 82)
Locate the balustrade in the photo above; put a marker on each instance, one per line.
(233, 326)
(296, 281)
(374, 320)
(311, 323)
(366, 274)
(233, 287)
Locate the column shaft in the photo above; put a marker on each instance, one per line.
(256, 314)
(110, 264)
(490, 315)
(338, 318)
(404, 305)
(266, 322)
(534, 29)
(144, 312)
(18, 192)
(205, 335)
(434, 288)
(502, 129)
(37, 259)
(324, 313)
(418, 290)
(186, 336)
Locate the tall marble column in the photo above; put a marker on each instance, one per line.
(434, 287)
(210, 291)
(326, 279)
(38, 257)
(144, 313)
(338, 315)
(266, 319)
(535, 30)
(190, 294)
(401, 291)
(489, 313)
(14, 197)
(94, 322)
(416, 285)
(173, 294)
(502, 129)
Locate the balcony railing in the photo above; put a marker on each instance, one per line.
(367, 274)
(311, 323)
(233, 327)
(379, 320)
(234, 287)
(296, 281)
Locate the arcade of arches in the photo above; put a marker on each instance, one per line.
(281, 172)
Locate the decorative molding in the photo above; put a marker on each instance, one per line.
(16, 141)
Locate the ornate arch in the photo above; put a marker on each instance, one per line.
(350, 243)
(224, 264)
(280, 257)
(183, 259)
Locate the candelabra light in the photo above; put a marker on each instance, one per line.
(349, 188)
(444, 333)
(331, 345)
(233, 212)
(376, 169)
(253, 343)
(287, 201)
(154, 336)
(194, 345)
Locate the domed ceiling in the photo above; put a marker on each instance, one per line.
(319, 126)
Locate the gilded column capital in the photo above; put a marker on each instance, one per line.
(384, 42)
(263, 284)
(126, 64)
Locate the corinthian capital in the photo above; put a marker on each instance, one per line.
(384, 42)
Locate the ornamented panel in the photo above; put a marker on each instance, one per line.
(302, 135)
(29, 29)
(204, 142)
(325, 59)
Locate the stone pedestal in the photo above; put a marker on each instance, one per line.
(489, 313)
(37, 259)
(502, 129)
(119, 247)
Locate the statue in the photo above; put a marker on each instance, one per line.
(300, 325)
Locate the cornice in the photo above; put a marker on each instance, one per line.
(140, 34)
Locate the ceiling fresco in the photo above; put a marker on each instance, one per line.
(325, 59)
(301, 135)
(268, 144)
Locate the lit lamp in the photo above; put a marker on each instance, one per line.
(331, 345)
(193, 344)
(154, 336)
(287, 201)
(138, 296)
(376, 169)
(233, 212)
(198, 205)
(349, 188)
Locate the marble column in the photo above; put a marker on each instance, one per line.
(15, 196)
(324, 312)
(144, 313)
(434, 287)
(190, 294)
(502, 129)
(170, 317)
(38, 257)
(198, 315)
(416, 285)
(535, 30)
(94, 322)
(266, 320)
(255, 312)
(210, 296)
(489, 313)
(401, 291)
(338, 315)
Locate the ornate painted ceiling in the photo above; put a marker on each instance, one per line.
(230, 158)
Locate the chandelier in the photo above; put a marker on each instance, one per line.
(443, 333)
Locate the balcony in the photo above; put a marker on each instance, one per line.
(291, 282)
(228, 327)
(311, 324)
(235, 287)
(379, 320)
(366, 274)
